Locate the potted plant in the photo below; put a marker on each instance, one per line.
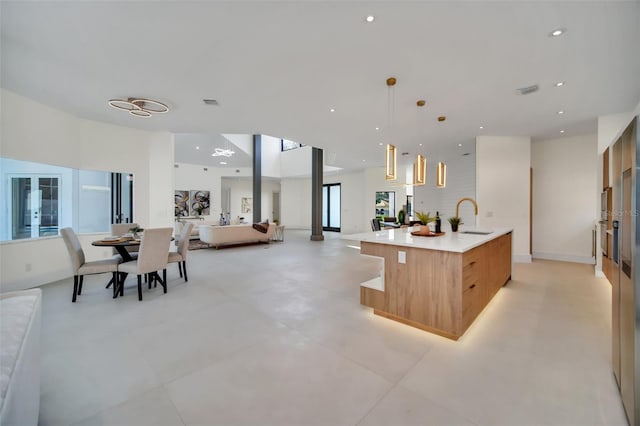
(134, 231)
(454, 221)
(425, 219)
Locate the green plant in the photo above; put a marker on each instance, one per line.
(455, 220)
(425, 218)
(135, 229)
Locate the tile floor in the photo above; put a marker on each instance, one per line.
(275, 335)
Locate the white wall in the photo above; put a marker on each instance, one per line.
(31, 131)
(352, 201)
(295, 203)
(240, 187)
(565, 204)
(271, 150)
(461, 183)
(189, 177)
(296, 162)
(502, 187)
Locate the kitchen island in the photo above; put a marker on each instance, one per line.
(438, 284)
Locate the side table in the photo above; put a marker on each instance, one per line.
(278, 235)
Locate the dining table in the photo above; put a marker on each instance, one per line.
(120, 244)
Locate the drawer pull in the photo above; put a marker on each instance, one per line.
(472, 263)
(472, 286)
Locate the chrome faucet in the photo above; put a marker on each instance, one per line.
(475, 205)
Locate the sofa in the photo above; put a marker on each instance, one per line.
(195, 231)
(217, 236)
(20, 316)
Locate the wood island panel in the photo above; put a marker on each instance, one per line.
(438, 291)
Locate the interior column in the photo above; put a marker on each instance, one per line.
(316, 195)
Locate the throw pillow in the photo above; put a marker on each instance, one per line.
(262, 227)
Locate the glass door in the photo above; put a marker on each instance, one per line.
(331, 207)
(35, 210)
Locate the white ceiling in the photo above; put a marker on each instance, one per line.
(278, 67)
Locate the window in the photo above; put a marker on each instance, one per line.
(37, 200)
(286, 145)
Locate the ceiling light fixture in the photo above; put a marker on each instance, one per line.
(197, 147)
(332, 110)
(224, 163)
(226, 152)
(419, 171)
(559, 84)
(380, 144)
(377, 128)
(139, 107)
(560, 112)
(370, 18)
(556, 33)
(561, 131)
(441, 175)
(459, 144)
(481, 127)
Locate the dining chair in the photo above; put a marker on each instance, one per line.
(81, 267)
(153, 257)
(120, 229)
(180, 256)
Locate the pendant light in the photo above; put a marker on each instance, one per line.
(420, 164)
(390, 153)
(441, 175)
(420, 171)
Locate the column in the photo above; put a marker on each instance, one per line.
(316, 195)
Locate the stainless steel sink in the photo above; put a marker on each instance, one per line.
(477, 232)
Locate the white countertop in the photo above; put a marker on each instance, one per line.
(458, 242)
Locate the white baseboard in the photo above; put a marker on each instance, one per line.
(522, 258)
(589, 260)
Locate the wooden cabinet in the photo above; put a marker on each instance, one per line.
(438, 291)
(605, 169)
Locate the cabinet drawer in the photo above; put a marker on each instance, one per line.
(472, 303)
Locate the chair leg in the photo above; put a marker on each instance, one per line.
(164, 279)
(75, 288)
(180, 268)
(80, 284)
(184, 268)
(123, 277)
(139, 287)
(114, 279)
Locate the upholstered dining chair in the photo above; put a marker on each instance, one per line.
(153, 257)
(81, 267)
(118, 230)
(180, 256)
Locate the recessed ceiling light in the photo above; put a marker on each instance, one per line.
(482, 127)
(560, 112)
(380, 144)
(377, 128)
(459, 144)
(197, 147)
(561, 131)
(370, 18)
(556, 33)
(420, 144)
(332, 110)
(364, 161)
(223, 162)
(559, 84)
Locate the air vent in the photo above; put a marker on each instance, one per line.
(205, 169)
(210, 101)
(404, 154)
(466, 153)
(176, 166)
(528, 90)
